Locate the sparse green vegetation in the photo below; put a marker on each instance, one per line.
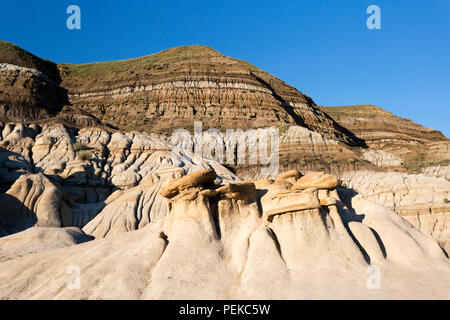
(79, 146)
(155, 61)
(387, 144)
(84, 155)
(362, 111)
(416, 165)
(81, 150)
(283, 128)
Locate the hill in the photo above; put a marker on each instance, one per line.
(172, 88)
(418, 147)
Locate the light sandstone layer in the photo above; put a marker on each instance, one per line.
(438, 172)
(39, 239)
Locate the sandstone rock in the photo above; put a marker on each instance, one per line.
(328, 201)
(33, 200)
(199, 178)
(138, 206)
(39, 239)
(381, 158)
(375, 124)
(29, 93)
(128, 211)
(318, 180)
(290, 176)
(239, 191)
(393, 140)
(292, 208)
(438, 172)
(262, 183)
(417, 198)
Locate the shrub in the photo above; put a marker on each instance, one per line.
(84, 155)
(79, 146)
(283, 128)
(445, 200)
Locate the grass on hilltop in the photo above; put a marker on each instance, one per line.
(147, 62)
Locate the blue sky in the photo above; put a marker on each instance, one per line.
(321, 47)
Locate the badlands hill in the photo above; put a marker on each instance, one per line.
(173, 88)
(417, 148)
(179, 85)
(169, 89)
(88, 181)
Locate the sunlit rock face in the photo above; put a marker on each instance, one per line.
(421, 200)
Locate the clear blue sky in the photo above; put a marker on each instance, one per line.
(321, 47)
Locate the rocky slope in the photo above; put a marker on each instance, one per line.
(396, 142)
(420, 199)
(159, 92)
(172, 88)
(29, 85)
(376, 125)
(30, 90)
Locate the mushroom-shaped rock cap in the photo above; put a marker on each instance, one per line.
(290, 174)
(328, 201)
(195, 179)
(239, 191)
(320, 180)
